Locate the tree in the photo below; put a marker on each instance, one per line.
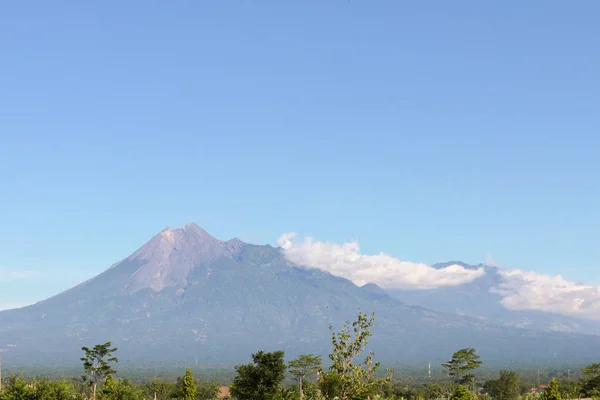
(53, 390)
(356, 380)
(460, 366)
(460, 392)
(96, 363)
(157, 389)
(570, 389)
(207, 390)
(188, 389)
(261, 379)
(433, 391)
(506, 387)
(552, 392)
(121, 389)
(590, 384)
(330, 384)
(306, 364)
(16, 389)
(109, 388)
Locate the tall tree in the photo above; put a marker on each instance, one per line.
(261, 379)
(96, 363)
(188, 389)
(552, 392)
(356, 380)
(305, 365)
(460, 366)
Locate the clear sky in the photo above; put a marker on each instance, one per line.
(431, 131)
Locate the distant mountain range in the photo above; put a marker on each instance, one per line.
(185, 294)
(477, 299)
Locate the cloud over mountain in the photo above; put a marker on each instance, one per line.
(520, 290)
(525, 290)
(345, 260)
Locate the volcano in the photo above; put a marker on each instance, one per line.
(187, 295)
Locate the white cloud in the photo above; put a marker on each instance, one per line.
(345, 260)
(523, 290)
(7, 275)
(520, 290)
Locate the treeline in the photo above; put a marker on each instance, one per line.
(352, 375)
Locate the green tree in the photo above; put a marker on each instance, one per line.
(433, 391)
(460, 392)
(15, 388)
(109, 387)
(157, 389)
(460, 366)
(356, 380)
(261, 379)
(305, 365)
(569, 389)
(207, 390)
(121, 389)
(330, 384)
(188, 389)
(53, 390)
(506, 387)
(311, 390)
(552, 392)
(126, 390)
(96, 364)
(590, 383)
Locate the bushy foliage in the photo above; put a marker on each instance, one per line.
(552, 392)
(261, 379)
(433, 391)
(119, 389)
(17, 388)
(506, 387)
(356, 380)
(460, 392)
(590, 384)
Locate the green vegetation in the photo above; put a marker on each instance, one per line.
(460, 392)
(348, 377)
(188, 390)
(261, 379)
(506, 387)
(352, 381)
(96, 364)
(305, 365)
(461, 365)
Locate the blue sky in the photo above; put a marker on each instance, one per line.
(431, 131)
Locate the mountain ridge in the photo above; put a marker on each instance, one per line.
(185, 292)
(478, 299)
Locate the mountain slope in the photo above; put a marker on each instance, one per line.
(186, 294)
(477, 299)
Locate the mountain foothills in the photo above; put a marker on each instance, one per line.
(185, 295)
